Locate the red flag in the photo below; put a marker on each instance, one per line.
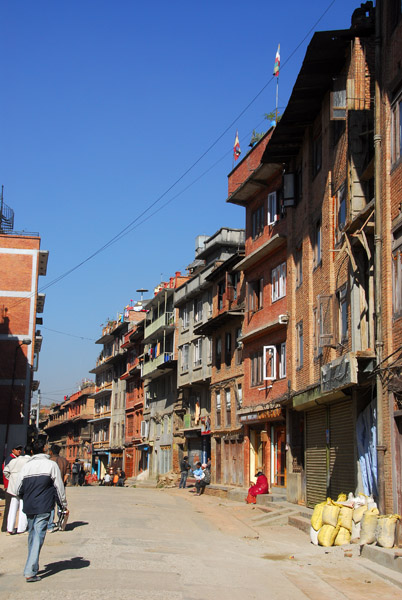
(277, 62)
(236, 147)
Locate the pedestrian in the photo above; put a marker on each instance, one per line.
(122, 478)
(81, 476)
(75, 470)
(64, 466)
(184, 469)
(15, 452)
(107, 479)
(202, 482)
(40, 483)
(11, 472)
(260, 487)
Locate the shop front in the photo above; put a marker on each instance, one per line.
(197, 446)
(100, 462)
(265, 445)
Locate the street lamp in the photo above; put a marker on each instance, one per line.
(23, 342)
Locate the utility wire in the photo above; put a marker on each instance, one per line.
(130, 225)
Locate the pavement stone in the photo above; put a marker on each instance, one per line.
(150, 544)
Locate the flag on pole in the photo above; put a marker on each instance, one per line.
(236, 147)
(277, 62)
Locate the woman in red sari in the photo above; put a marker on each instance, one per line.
(260, 487)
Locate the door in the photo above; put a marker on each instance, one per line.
(256, 454)
(279, 457)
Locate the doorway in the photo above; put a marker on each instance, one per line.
(257, 454)
(278, 453)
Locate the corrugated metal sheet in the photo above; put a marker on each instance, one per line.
(342, 473)
(316, 456)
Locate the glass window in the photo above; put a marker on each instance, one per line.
(299, 345)
(396, 130)
(257, 222)
(272, 208)
(278, 282)
(317, 243)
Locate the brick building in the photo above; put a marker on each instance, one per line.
(135, 453)
(159, 371)
(219, 323)
(207, 300)
(110, 394)
(388, 174)
(80, 412)
(324, 142)
(264, 331)
(21, 263)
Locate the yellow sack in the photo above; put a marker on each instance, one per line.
(345, 517)
(316, 517)
(369, 526)
(343, 537)
(327, 535)
(330, 513)
(342, 498)
(358, 513)
(385, 533)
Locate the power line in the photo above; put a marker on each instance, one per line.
(128, 228)
(69, 334)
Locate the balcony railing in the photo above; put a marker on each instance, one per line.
(154, 364)
(165, 320)
(102, 444)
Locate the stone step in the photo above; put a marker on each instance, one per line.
(277, 518)
(301, 522)
(389, 558)
(267, 499)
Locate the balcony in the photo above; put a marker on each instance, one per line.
(99, 445)
(105, 414)
(152, 367)
(102, 390)
(164, 322)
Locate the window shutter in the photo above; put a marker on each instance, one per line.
(326, 333)
(269, 365)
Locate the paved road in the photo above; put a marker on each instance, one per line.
(145, 544)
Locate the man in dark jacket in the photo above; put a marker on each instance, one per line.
(40, 484)
(184, 469)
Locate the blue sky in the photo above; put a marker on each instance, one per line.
(105, 104)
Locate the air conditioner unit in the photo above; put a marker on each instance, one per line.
(283, 319)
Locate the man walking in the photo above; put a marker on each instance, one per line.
(40, 484)
(75, 470)
(64, 467)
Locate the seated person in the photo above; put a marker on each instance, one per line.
(260, 487)
(203, 478)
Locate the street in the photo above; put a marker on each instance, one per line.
(142, 543)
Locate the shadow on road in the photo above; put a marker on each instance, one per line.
(64, 565)
(74, 524)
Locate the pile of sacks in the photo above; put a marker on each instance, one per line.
(351, 520)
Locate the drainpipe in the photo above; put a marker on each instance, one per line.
(378, 259)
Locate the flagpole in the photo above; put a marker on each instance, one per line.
(277, 95)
